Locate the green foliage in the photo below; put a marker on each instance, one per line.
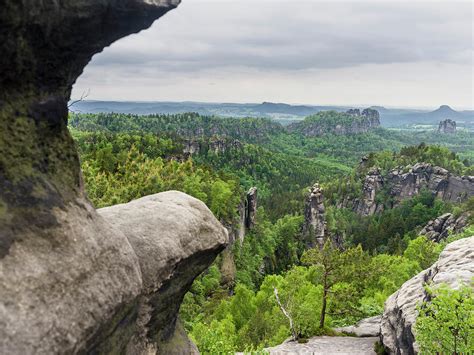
(422, 251)
(445, 325)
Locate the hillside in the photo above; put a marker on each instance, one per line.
(253, 174)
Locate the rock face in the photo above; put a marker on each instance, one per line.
(447, 126)
(251, 208)
(373, 183)
(352, 122)
(407, 182)
(314, 228)
(216, 145)
(440, 227)
(70, 281)
(455, 265)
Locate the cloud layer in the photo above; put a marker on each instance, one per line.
(295, 51)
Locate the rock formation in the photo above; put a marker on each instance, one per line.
(115, 288)
(406, 182)
(216, 145)
(440, 227)
(455, 265)
(447, 126)
(352, 122)
(70, 281)
(368, 204)
(251, 208)
(314, 228)
(368, 327)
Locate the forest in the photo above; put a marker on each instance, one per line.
(232, 306)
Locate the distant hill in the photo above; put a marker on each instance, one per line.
(284, 113)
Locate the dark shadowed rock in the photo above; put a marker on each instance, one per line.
(447, 126)
(454, 266)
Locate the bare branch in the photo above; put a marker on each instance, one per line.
(84, 95)
(287, 315)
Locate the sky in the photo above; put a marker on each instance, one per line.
(416, 53)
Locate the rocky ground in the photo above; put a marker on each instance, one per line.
(328, 345)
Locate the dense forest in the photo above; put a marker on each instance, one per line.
(232, 306)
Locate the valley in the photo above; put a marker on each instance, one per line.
(373, 191)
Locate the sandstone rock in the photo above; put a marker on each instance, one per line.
(406, 182)
(440, 227)
(373, 183)
(70, 282)
(325, 345)
(351, 122)
(110, 284)
(314, 228)
(454, 266)
(175, 238)
(251, 208)
(369, 327)
(447, 126)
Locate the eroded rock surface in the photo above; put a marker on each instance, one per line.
(440, 227)
(325, 345)
(447, 126)
(454, 266)
(251, 208)
(406, 182)
(71, 281)
(368, 327)
(112, 285)
(314, 228)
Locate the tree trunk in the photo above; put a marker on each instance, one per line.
(323, 307)
(287, 315)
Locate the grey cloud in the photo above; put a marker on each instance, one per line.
(297, 36)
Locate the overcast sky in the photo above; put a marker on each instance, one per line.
(392, 53)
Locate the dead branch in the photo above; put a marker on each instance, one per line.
(287, 315)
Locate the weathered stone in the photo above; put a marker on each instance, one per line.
(407, 182)
(325, 345)
(71, 282)
(440, 227)
(447, 126)
(454, 266)
(373, 183)
(368, 327)
(107, 284)
(354, 122)
(251, 208)
(314, 227)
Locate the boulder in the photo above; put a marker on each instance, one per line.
(368, 327)
(454, 266)
(112, 285)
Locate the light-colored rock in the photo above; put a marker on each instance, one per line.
(368, 327)
(314, 228)
(454, 266)
(106, 283)
(325, 345)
